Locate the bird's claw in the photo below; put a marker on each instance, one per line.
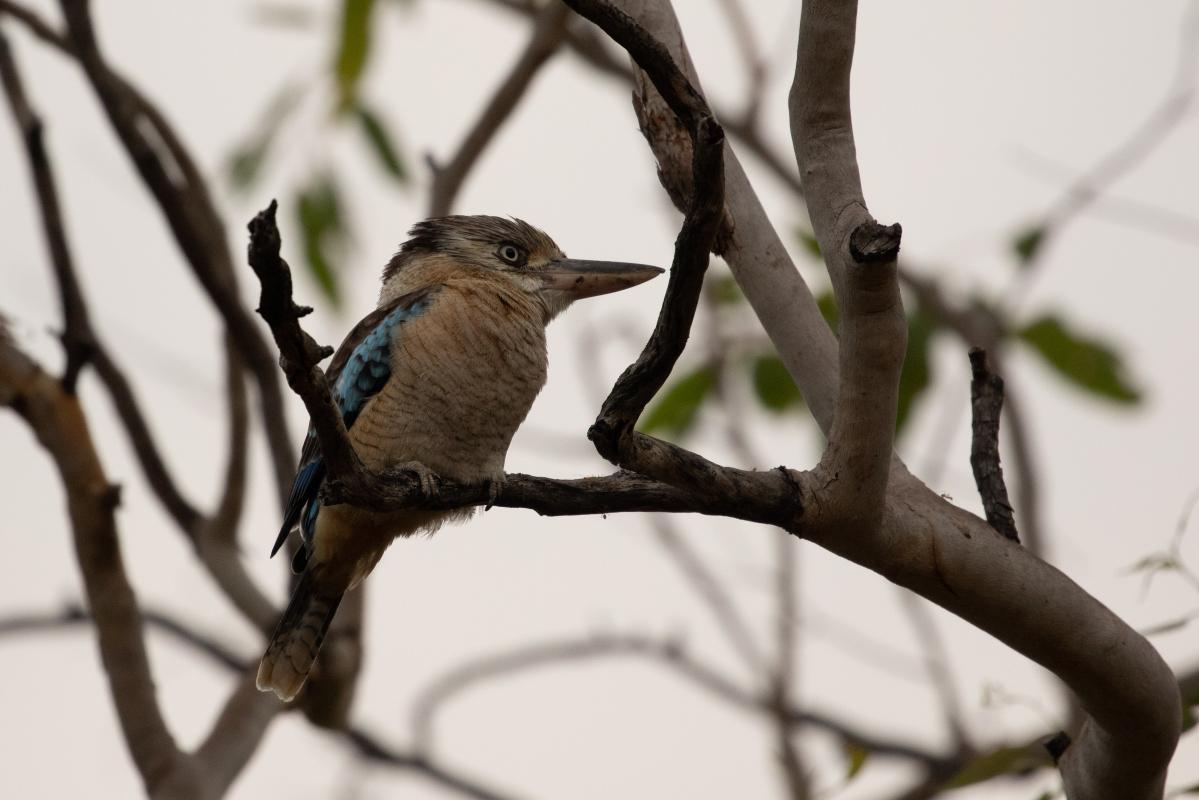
(426, 476)
(494, 487)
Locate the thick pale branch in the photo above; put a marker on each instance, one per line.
(945, 554)
(860, 255)
(1126, 752)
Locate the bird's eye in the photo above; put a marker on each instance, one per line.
(511, 254)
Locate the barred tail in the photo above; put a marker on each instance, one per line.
(297, 639)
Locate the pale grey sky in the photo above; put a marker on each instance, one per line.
(950, 98)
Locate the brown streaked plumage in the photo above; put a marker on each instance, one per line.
(438, 377)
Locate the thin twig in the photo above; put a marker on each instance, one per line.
(369, 747)
(583, 41)
(986, 401)
(1144, 140)
(77, 336)
(782, 689)
(549, 27)
(83, 345)
(936, 665)
(176, 183)
(701, 579)
(1028, 478)
(612, 432)
(663, 653)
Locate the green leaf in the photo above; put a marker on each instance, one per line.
(1168, 626)
(352, 49)
(1000, 761)
(381, 144)
(245, 165)
(810, 245)
(857, 757)
(1154, 562)
(318, 211)
(248, 159)
(917, 368)
(773, 384)
(676, 407)
(725, 290)
(1027, 242)
(1189, 718)
(1090, 364)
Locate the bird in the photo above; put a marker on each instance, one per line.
(436, 379)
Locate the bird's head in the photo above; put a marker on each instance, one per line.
(509, 250)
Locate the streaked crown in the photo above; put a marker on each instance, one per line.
(483, 241)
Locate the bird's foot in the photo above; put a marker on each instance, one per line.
(426, 476)
(494, 487)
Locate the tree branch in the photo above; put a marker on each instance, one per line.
(173, 179)
(664, 653)
(57, 419)
(238, 731)
(710, 592)
(986, 401)
(943, 553)
(549, 28)
(214, 539)
(77, 337)
(768, 497)
(370, 748)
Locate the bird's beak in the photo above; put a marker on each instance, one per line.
(576, 279)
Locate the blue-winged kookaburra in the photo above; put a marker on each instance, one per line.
(438, 377)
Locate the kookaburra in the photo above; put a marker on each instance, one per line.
(438, 377)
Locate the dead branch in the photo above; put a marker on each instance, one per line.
(986, 401)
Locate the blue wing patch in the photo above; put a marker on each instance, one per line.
(359, 370)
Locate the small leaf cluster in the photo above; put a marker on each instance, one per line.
(317, 202)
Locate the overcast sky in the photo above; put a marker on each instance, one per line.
(970, 120)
